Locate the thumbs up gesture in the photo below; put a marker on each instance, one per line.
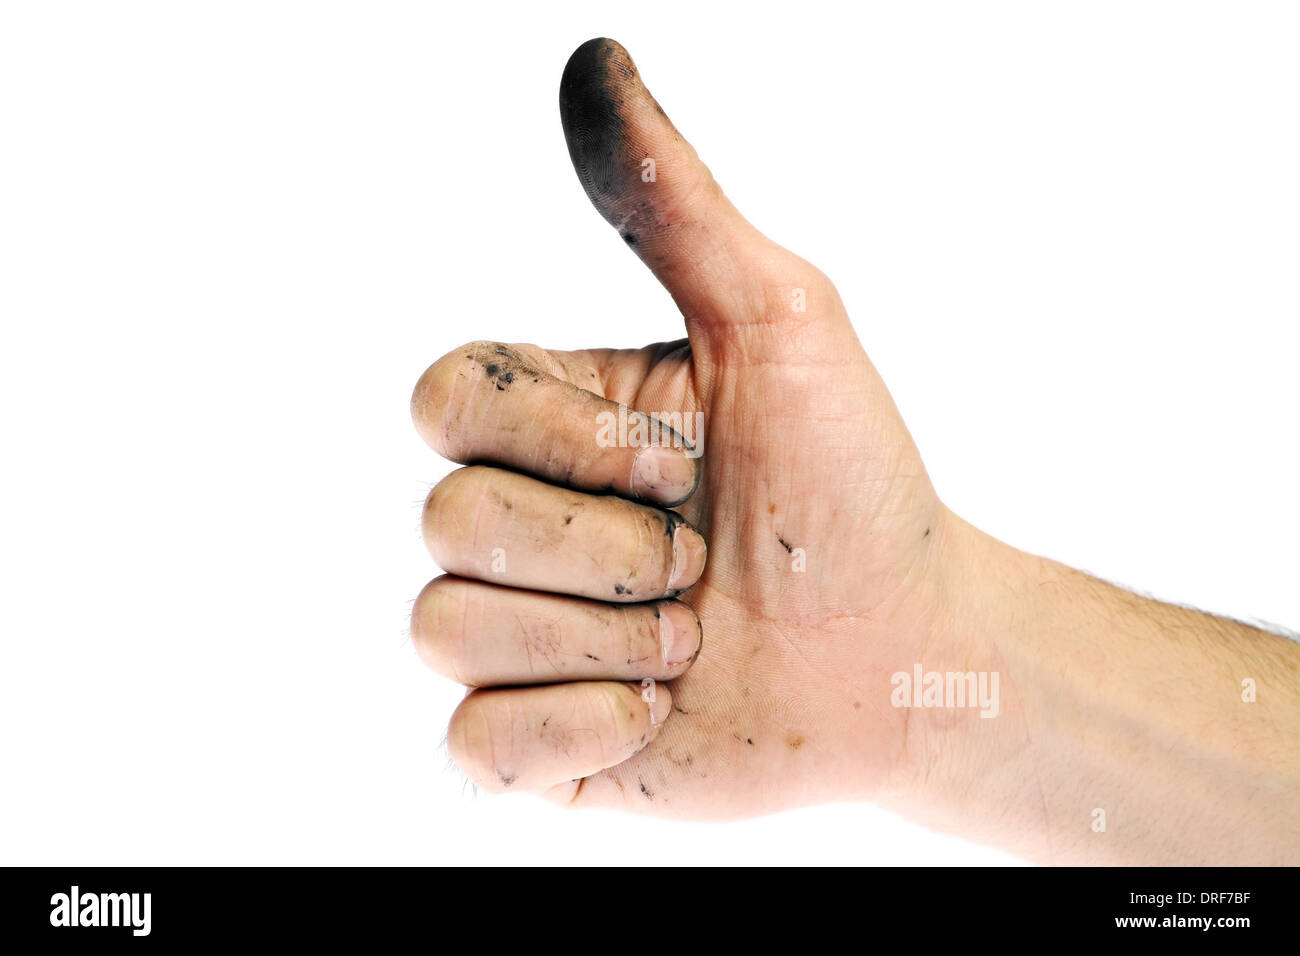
(679, 577)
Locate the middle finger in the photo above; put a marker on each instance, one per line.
(507, 528)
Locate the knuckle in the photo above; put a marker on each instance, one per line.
(620, 705)
(435, 405)
(446, 506)
(787, 279)
(437, 626)
(661, 536)
(642, 551)
(470, 743)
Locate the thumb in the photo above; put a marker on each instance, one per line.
(648, 182)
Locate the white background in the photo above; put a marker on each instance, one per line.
(232, 235)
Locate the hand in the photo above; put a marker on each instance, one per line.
(832, 570)
(822, 526)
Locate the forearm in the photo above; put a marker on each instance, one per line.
(1113, 709)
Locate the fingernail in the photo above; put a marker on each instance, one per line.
(679, 633)
(689, 551)
(663, 473)
(657, 699)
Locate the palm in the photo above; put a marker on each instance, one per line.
(797, 475)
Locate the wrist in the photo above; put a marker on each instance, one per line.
(958, 756)
(1120, 732)
(1003, 620)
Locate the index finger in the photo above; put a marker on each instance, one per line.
(485, 402)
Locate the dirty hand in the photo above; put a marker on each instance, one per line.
(835, 579)
(570, 580)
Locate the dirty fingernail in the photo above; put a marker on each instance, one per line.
(658, 699)
(663, 473)
(689, 552)
(679, 633)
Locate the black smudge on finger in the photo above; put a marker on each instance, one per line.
(594, 129)
(599, 90)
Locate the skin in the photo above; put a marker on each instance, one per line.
(831, 566)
